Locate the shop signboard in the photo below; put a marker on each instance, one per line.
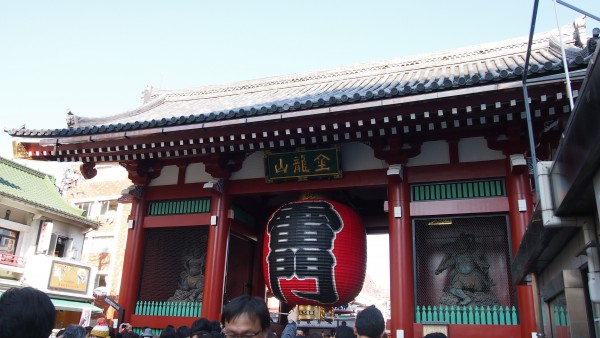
(69, 277)
(303, 164)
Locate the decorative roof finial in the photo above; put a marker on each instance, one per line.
(71, 119)
(147, 94)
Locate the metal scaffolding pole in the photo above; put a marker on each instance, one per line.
(526, 95)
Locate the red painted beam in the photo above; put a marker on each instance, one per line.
(160, 322)
(456, 172)
(462, 206)
(171, 221)
(189, 190)
(354, 179)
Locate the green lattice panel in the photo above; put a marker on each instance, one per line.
(458, 190)
(176, 207)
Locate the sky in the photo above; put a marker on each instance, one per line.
(95, 58)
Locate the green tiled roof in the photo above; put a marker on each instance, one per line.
(32, 187)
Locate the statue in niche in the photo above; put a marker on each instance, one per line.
(468, 278)
(191, 283)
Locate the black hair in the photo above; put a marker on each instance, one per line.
(74, 331)
(344, 332)
(168, 332)
(369, 322)
(184, 331)
(254, 307)
(26, 313)
(201, 324)
(435, 335)
(131, 334)
(215, 326)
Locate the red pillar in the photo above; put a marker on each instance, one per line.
(518, 188)
(132, 262)
(401, 261)
(216, 259)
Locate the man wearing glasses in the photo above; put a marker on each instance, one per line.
(246, 317)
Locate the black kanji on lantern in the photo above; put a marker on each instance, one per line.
(302, 238)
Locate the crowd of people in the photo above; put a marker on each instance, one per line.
(29, 313)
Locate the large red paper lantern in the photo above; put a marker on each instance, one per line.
(315, 253)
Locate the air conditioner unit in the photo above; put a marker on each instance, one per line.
(546, 202)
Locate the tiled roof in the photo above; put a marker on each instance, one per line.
(472, 66)
(37, 189)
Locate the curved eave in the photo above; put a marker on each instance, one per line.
(202, 122)
(432, 116)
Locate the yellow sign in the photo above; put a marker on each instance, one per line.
(69, 277)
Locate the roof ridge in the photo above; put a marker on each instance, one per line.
(424, 60)
(23, 167)
(155, 102)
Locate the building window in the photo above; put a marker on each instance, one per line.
(106, 206)
(8, 241)
(59, 246)
(98, 208)
(86, 207)
(100, 280)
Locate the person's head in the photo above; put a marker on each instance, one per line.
(215, 326)
(204, 334)
(26, 313)
(246, 317)
(75, 331)
(344, 332)
(147, 332)
(168, 332)
(201, 325)
(100, 330)
(435, 335)
(183, 331)
(596, 32)
(369, 323)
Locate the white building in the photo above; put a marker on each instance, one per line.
(41, 242)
